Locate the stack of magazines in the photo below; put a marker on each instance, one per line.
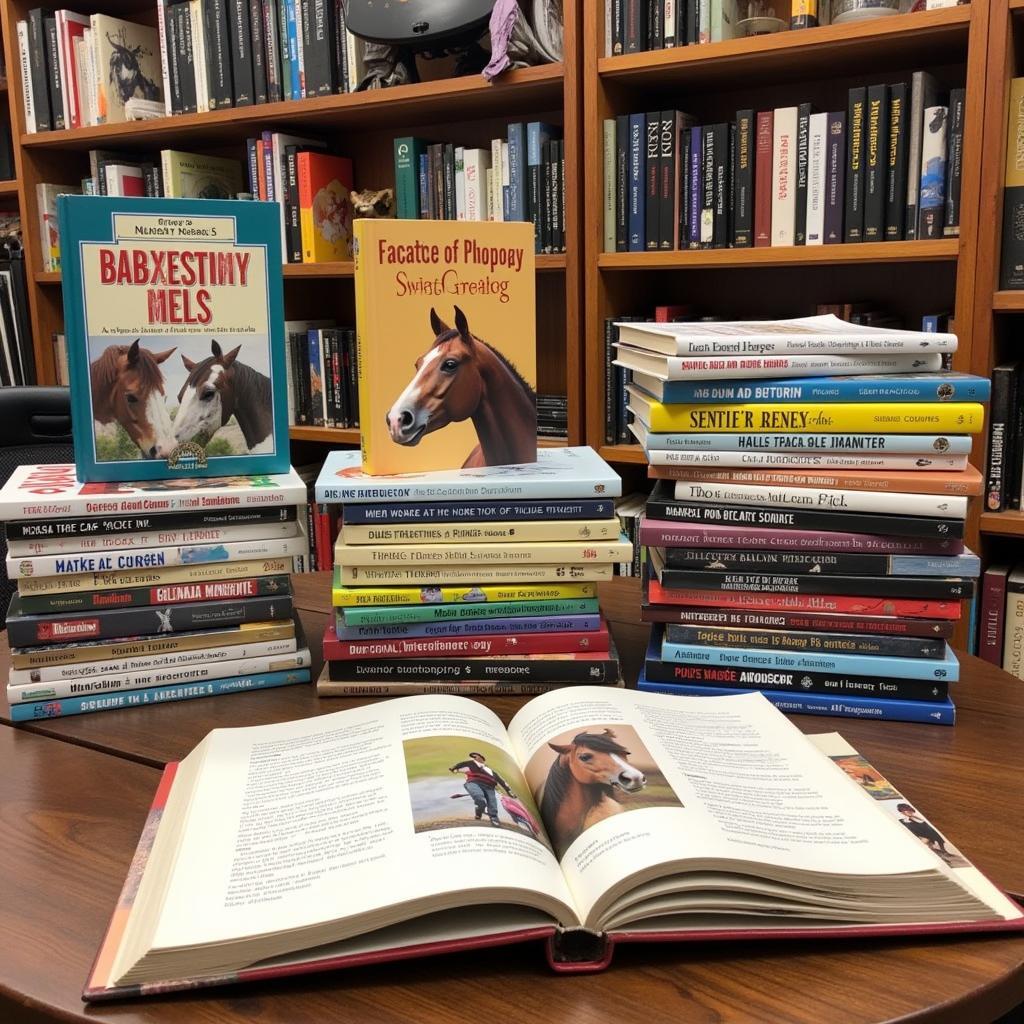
(479, 581)
(136, 594)
(805, 535)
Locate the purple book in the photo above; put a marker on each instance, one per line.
(661, 533)
(696, 167)
(471, 627)
(835, 177)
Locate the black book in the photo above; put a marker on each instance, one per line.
(1001, 414)
(954, 162)
(803, 143)
(855, 139)
(635, 38)
(218, 54)
(707, 188)
(780, 562)
(352, 379)
(723, 153)
(798, 640)
(1015, 449)
(475, 669)
(259, 52)
(272, 50)
(876, 151)
(340, 46)
(448, 169)
(655, 25)
(667, 172)
(692, 22)
(618, 26)
(318, 43)
(896, 164)
(300, 355)
(186, 58)
(835, 177)
(53, 72)
(743, 193)
(341, 412)
(37, 70)
(174, 49)
(546, 203)
(652, 209)
(622, 183)
(332, 379)
(293, 228)
(241, 53)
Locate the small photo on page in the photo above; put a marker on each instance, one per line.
(584, 777)
(867, 777)
(458, 782)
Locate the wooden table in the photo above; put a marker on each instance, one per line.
(74, 795)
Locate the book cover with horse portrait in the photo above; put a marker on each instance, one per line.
(446, 325)
(173, 314)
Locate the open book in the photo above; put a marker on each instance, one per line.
(598, 816)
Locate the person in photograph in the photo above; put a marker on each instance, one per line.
(924, 830)
(481, 784)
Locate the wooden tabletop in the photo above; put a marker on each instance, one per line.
(74, 795)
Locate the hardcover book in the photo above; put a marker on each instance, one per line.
(446, 335)
(539, 872)
(325, 209)
(127, 57)
(174, 316)
(199, 176)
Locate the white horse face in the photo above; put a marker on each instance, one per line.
(200, 410)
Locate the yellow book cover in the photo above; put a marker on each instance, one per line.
(430, 575)
(362, 597)
(501, 553)
(808, 418)
(325, 209)
(446, 334)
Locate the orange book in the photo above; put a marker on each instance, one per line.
(325, 209)
(966, 482)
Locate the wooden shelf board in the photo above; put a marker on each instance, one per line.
(941, 35)
(464, 99)
(1005, 523)
(328, 435)
(623, 453)
(47, 277)
(552, 442)
(1016, 5)
(8, 188)
(943, 249)
(1008, 300)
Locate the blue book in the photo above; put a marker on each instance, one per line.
(946, 669)
(317, 403)
(283, 50)
(897, 387)
(636, 194)
(869, 444)
(517, 171)
(935, 323)
(174, 319)
(471, 627)
(966, 564)
(477, 511)
(879, 708)
(291, 15)
(153, 695)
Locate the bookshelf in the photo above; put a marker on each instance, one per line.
(363, 126)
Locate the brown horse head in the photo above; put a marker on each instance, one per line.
(598, 759)
(128, 388)
(217, 388)
(461, 377)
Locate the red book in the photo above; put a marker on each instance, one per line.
(993, 614)
(836, 603)
(763, 178)
(483, 646)
(668, 314)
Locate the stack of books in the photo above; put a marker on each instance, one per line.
(479, 581)
(805, 536)
(139, 594)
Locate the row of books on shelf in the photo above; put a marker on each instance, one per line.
(888, 168)
(633, 26)
(520, 177)
(1004, 477)
(80, 69)
(1001, 622)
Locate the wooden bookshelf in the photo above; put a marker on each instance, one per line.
(465, 110)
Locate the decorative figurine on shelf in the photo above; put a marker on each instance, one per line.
(757, 18)
(374, 204)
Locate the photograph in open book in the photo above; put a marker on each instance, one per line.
(866, 776)
(459, 782)
(584, 777)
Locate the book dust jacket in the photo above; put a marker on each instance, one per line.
(173, 314)
(446, 325)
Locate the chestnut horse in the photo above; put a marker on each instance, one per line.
(584, 784)
(128, 388)
(219, 387)
(462, 377)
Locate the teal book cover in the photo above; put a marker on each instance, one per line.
(174, 319)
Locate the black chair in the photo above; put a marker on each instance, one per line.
(35, 429)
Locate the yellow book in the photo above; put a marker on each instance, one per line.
(325, 207)
(482, 533)
(809, 418)
(432, 555)
(446, 335)
(439, 575)
(365, 597)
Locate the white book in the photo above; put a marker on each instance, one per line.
(60, 360)
(784, 176)
(898, 502)
(1013, 635)
(723, 20)
(197, 23)
(803, 460)
(931, 202)
(489, 193)
(460, 183)
(476, 163)
(924, 92)
(497, 181)
(609, 185)
(125, 180)
(66, 23)
(356, 60)
(703, 21)
(608, 33)
(816, 176)
(669, 22)
(25, 66)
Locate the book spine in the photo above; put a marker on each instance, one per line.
(538, 669)
(609, 221)
(906, 702)
(637, 213)
(681, 239)
(875, 162)
(931, 202)
(38, 78)
(806, 519)
(854, 215)
(1011, 272)
(272, 42)
(696, 190)
(187, 58)
(1013, 631)
(622, 183)
(64, 708)
(466, 553)
(376, 598)
(721, 232)
(517, 171)
(435, 620)
(476, 511)
(429, 575)
(763, 178)
(317, 41)
(218, 35)
(328, 688)
(475, 646)
(996, 471)
(803, 469)
(803, 146)
(743, 196)
(991, 630)
(667, 177)
(918, 669)
(652, 181)
(909, 648)
(784, 176)
(714, 561)
(518, 532)
(835, 178)
(954, 163)
(293, 30)
(922, 93)
(635, 35)
(259, 52)
(53, 72)
(241, 53)
(709, 143)
(293, 206)
(25, 68)
(896, 164)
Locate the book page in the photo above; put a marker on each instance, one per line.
(626, 781)
(354, 814)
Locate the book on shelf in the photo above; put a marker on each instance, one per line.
(1011, 266)
(542, 876)
(325, 209)
(198, 176)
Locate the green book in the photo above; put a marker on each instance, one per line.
(378, 616)
(407, 168)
